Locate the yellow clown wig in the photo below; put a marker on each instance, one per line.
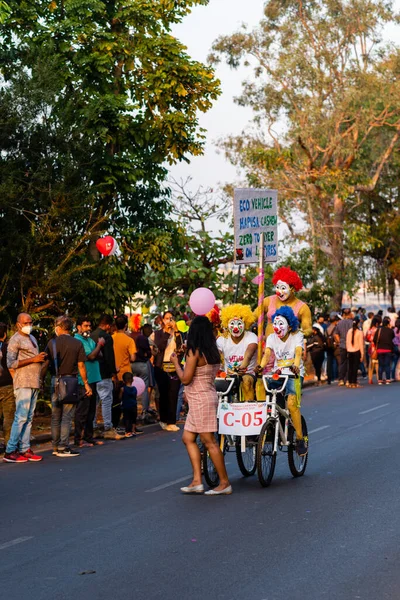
(237, 311)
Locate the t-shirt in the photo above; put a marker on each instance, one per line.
(92, 366)
(21, 347)
(234, 353)
(286, 351)
(69, 352)
(341, 330)
(129, 397)
(124, 349)
(143, 352)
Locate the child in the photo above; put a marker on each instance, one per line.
(128, 397)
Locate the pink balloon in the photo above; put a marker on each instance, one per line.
(139, 384)
(201, 301)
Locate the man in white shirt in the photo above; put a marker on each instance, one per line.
(239, 348)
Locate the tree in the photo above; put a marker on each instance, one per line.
(115, 98)
(327, 111)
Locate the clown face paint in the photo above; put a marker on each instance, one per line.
(282, 290)
(281, 326)
(236, 327)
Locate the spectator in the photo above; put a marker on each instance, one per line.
(316, 348)
(392, 314)
(24, 361)
(140, 367)
(396, 348)
(108, 372)
(383, 340)
(7, 400)
(128, 399)
(320, 319)
(71, 358)
(366, 326)
(168, 341)
(332, 350)
(86, 409)
(147, 330)
(373, 360)
(355, 352)
(340, 337)
(125, 354)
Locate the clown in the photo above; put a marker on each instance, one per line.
(239, 348)
(286, 283)
(287, 344)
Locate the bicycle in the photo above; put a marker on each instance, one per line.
(245, 448)
(273, 435)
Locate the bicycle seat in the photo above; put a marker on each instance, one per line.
(224, 385)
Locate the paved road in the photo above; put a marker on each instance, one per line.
(111, 524)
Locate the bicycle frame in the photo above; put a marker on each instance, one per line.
(275, 411)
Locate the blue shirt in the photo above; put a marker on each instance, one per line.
(129, 397)
(92, 366)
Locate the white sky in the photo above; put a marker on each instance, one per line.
(197, 32)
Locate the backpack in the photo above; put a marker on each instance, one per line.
(330, 342)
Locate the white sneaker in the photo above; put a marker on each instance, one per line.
(171, 428)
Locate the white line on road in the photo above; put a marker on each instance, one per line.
(364, 412)
(14, 542)
(165, 485)
(319, 429)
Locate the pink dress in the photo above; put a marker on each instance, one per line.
(203, 400)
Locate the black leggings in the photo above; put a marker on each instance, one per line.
(168, 387)
(354, 364)
(130, 415)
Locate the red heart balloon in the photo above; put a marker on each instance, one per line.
(105, 245)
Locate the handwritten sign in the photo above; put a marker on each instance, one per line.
(254, 211)
(242, 418)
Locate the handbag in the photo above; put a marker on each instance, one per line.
(66, 387)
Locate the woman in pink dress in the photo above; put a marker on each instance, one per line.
(201, 367)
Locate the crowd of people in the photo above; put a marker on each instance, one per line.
(353, 342)
(94, 369)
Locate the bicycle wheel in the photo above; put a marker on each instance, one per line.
(209, 471)
(297, 464)
(266, 457)
(246, 460)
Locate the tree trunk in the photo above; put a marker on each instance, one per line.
(391, 289)
(337, 240)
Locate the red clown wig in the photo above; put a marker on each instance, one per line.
(288, 276)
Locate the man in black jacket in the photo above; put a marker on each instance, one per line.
(108, 372)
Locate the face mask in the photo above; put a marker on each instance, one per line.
(26, 329)
(281, 327)
(282, 290)
(236, 327)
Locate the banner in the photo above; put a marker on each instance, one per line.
(255, 211)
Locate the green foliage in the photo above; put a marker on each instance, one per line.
(96, 98)
(324, 80)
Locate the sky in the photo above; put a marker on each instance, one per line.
(197, 32)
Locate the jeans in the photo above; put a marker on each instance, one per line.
(105, 391)
(331, 366)
(62, 416)
(20, 435)
(395, 358)
(7, 408)
(141, 369)
(180, 402)
(384, 360)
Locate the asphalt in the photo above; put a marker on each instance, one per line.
(112, 523)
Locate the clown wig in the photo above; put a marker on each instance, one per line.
(214, 316)
(288, 276)
(135, 321)
(287, 313)
(237, 311)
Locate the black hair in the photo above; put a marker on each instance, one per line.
(169, 312)
(127, 377)
(80, 320)
(376, 321)
(201, 338)
(3, 329)
(355, 327)
(147, 327)
(386, 321)
(106, 320)
(121, 321)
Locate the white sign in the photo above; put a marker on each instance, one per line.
(254, 211)
(242, 418)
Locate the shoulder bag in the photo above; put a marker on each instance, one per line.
(67, 388)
